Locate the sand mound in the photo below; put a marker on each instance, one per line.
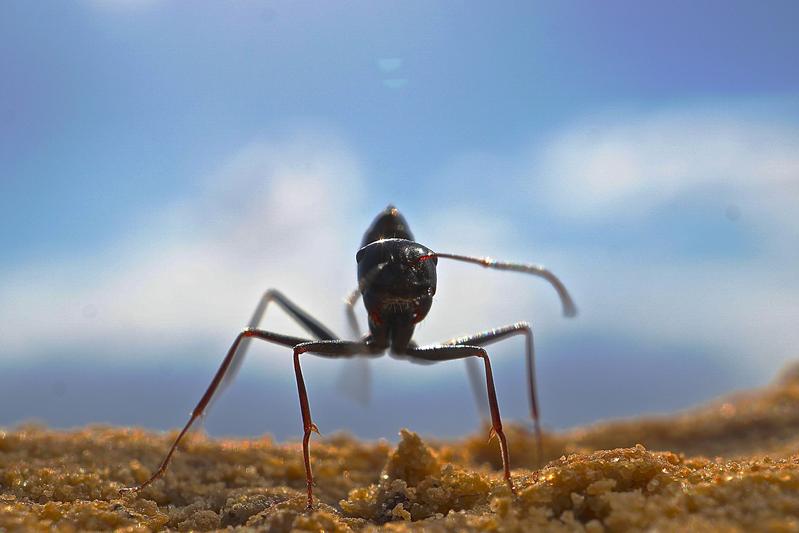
(731, 465)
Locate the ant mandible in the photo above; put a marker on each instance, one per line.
(397, 279)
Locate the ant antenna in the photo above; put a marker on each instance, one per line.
(569, 309)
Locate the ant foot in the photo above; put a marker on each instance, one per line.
(511, 487)
(124, 491)
(309, 504)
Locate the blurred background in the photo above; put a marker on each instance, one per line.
(163, 163)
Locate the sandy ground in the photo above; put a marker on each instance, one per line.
(728, 466)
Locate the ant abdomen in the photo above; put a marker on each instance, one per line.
(389, 224)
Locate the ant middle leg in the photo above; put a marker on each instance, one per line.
(449, 352)
(490, 336)
(224, 368)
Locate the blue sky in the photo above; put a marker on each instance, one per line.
(162, 163)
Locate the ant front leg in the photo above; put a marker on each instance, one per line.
(448, 352)
(490, 336)
(332, 348)
(224, 368)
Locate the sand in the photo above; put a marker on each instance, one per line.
(731, 465)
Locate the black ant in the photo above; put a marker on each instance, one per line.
(397, 279)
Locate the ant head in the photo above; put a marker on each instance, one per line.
(397, 279)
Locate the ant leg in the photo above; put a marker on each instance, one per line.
(355, 377)
(477, 386)
(331, 348)
(350, 300)
(308, 323)
(490, 336)
(352, 320)
(285, 340)
(448, 352)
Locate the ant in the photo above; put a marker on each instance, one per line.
(397, 280)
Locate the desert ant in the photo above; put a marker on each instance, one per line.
(397, 280)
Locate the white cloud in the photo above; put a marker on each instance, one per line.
(624, 169)
(746, 313)
(279, 213)
(272, 216)
(633, 164)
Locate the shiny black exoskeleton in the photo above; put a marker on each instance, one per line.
(400, 282)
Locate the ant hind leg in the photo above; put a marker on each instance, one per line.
(490, 336)
(448, 352)
(314, 328)
(214, 387)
